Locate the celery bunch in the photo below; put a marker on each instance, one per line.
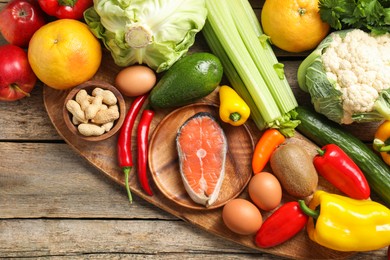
(234, 34)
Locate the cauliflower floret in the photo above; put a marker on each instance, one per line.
(331, 61)
(383, 46)
(332, 77)
(347, 78)
(360, 64)
(382, 78)
(357, 98)
(368, 77)
(345, 64)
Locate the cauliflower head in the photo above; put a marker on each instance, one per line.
(348, 77)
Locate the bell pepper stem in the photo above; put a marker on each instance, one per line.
(70, 3)
(126, 171)
(385, 148)
(308, 211)
(320, 152)
(235, 116)
(381, 146)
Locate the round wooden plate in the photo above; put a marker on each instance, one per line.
(164, 162)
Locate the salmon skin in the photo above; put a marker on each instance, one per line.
(202, 146)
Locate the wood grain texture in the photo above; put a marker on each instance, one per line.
(47, 197)
(55, 205)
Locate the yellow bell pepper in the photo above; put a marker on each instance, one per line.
(345, 224)
(233, 109)
(382, 141)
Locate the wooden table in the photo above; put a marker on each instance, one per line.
(53, 204)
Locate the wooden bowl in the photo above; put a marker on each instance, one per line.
(164, 161)
(89, 86)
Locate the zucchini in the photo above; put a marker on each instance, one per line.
(322, 131)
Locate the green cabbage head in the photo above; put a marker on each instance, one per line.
(348, 77)
(152, 32)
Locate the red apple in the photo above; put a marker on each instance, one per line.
(19, 20)
(17, 79)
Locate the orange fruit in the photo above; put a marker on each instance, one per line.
(293, 25)
(64, 53)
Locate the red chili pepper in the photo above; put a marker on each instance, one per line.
(125, 158)
(71, 9)
(282, 225)
(143, 146)
(339, 169)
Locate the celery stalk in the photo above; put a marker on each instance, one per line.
(233, 33)
(259, 31)
(232, 75)
(219, 17)
(282, 94)
(264, 40)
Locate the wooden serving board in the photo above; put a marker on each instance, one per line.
(103, 156)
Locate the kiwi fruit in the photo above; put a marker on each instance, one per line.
(294, 168)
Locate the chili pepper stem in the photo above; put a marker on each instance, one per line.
(235, 116)
(126, 171)
(308, 211)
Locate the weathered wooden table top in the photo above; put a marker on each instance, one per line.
(53, 204)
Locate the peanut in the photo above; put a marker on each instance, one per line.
(91, 110)
(74, 108)
(107, 115)
(75, 121)
(88, 129)
(107, 126)
(83, 99)
(94, 114)
(108, 97)
(103, 107)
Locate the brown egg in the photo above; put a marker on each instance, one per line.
(265, 191)
(242, 216)
(135, 80)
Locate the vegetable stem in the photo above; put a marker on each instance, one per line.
(308, 211)
(126, 171)
(137, 36)
(235, 116)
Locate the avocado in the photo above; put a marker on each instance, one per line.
(192, 77)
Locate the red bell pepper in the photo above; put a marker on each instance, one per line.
(338, 168)
(282, 225)
(65, 9)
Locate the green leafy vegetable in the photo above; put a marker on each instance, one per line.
(152, 32)
(367, 15)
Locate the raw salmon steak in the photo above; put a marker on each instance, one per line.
(202, 146)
